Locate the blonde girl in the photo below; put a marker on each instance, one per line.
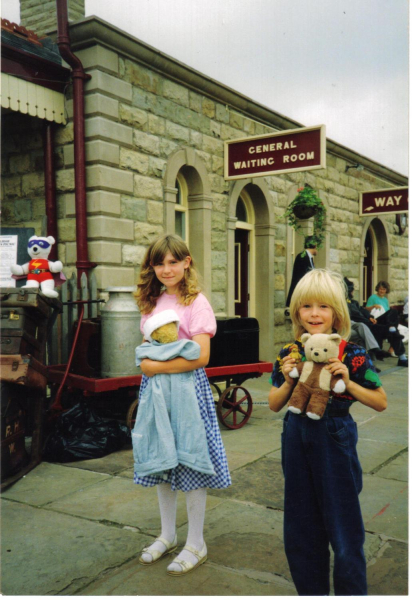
(323, 476)
(168, 280)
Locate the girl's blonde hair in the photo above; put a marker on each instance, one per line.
(323, 287)
(149, 287)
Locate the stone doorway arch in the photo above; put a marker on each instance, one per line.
(375, 255)
(263, 260)
(186, 162)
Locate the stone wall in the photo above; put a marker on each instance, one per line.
(136, 118)
(40, 15)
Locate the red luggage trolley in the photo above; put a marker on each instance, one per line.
(233, 406)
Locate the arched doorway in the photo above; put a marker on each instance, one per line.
(244, 276)
(251, 236)
(368, 268)
(375, 256)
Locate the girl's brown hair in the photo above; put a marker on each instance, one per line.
(149, 287)
(321, 286)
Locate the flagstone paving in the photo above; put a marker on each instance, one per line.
(78, 528)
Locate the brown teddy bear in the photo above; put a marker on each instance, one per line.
(165, 333)
(162, 327)
(315, 383)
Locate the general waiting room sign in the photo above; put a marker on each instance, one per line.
(383, 202)
(284, 152)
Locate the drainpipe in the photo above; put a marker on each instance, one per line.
(50, 185)
(83, 264)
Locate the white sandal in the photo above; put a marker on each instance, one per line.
(189, 566)
(156, 554)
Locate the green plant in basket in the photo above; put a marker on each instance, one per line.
(305, 205)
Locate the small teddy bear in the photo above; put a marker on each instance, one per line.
(315, 382)
(166, 333)
(39, 270)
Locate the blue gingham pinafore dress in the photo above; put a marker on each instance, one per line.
(184, 478)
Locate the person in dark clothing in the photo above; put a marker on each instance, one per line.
(303, 263)
(381, 331)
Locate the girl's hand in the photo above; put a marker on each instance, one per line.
(278, 397)
(148, 367)
(336, 367)
(374, 321)
(288, 364)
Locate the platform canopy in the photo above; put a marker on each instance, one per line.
(32, 99)
(33, 80)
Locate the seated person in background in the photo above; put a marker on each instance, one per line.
(363, 326)
(405, 312)
(363, 336)
(389, 319)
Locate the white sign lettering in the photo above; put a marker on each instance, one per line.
(389, 201)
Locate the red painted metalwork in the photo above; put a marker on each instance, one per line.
(57, 405)
(50, 185)
(234, 412)
(83, 264)
(97, 386)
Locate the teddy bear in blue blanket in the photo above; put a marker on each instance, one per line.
(169, 429)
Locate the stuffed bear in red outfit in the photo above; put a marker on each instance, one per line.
(39, 270)
(315, 384)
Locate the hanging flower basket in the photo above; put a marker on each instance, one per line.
(304, 212)
(305, 205)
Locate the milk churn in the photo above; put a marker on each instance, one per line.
(120, 333)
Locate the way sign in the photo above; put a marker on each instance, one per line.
(384, 202)
(286, 151)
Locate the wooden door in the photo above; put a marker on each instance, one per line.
(242, 273)
(368, 267)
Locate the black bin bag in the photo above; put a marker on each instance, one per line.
(80, 434)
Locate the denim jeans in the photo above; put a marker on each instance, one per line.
(323, 479)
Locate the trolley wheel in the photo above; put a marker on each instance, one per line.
(234, 407)
(215, 389)
(131, 413)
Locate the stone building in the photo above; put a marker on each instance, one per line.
(155, 132)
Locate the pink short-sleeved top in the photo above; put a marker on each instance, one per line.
(195, 318)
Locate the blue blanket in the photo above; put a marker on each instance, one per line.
(169, 429)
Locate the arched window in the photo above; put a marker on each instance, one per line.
(181, 210)
(241, 212)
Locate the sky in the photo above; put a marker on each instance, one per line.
(342, 63)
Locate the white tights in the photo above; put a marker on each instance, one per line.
(196, 507)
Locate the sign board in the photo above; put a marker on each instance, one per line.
(384, 202)
(284, 152)
(8, 257)
(23, 235)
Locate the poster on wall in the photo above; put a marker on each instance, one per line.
(8, 257)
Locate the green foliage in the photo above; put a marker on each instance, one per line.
(307, 197)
